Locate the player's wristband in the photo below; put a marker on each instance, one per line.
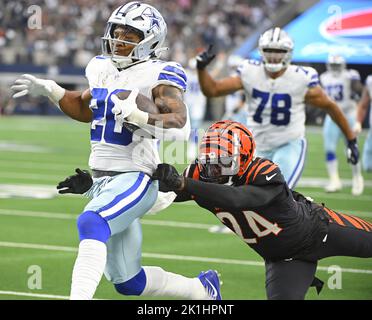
(57, 93)
(138, 116)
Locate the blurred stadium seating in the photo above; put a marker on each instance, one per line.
(70, 36)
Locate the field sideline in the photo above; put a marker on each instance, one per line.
(38, 227)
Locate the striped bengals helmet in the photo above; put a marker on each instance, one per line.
(225, 152)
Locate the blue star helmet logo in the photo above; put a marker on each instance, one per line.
(155, 20)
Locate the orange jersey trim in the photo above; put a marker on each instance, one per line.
(366, 224)
(273, 167)
(334, 216)
(264, 164)
(355, 223)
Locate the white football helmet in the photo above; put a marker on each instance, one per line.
(269, 44)
(143, 19)
(336, 64)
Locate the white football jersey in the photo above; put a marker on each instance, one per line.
(276, 107)
(369, 88)
(114, 148)
(194, 97)
(339, 88)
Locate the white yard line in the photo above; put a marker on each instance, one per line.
(167, 256)
(339, 196)
(36, 295)
(318, 182)
(65, 216)
(32, 176)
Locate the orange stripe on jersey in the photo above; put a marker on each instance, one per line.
(274, 166)
(355, 223)
(195, 174)
(365, 224)
(251, 171)
(334, 216)
(264, 164)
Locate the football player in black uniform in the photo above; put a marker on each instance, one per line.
(250, 196)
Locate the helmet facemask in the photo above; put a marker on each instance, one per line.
(220, 169)
(144, 21)
(276, 49)
(225, 153)
(336, 64)
(110, 44)
(275, 59)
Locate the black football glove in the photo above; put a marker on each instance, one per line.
(79, 183)
(205, 58)
(352, 151)
(169, 179)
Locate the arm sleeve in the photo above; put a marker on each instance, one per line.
(172, 74)
(234, 198)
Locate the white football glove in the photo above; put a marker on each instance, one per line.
(357, 128)
(127, 110)
(28, 84)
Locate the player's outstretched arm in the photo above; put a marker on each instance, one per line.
(209, 86)
(317, 97)
(362, 110)
(73, 103)
(221, 196)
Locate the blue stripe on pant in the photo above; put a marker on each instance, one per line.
(125, 198)
(290, 158)
(121, 202)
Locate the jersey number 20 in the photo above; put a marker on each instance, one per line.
(280, 107)
(104, 124)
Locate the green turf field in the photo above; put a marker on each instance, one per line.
(37, 230)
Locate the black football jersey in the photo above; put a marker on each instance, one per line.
(260, 209)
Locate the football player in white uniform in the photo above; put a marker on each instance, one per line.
(276, 93)
(344, 87)
(364, 103)
(122, 164)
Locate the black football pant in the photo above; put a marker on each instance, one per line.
(290, 280)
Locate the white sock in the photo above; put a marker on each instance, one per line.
(162, 283)
(332, 168)
(356, 169)
(88, 269)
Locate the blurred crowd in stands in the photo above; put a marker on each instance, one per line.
(70, 31)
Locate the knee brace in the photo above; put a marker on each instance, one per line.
(92, 226)
(330, 156)
(134, 286)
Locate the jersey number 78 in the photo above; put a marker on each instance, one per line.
(280, 107)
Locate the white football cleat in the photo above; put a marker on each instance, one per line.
(334, 185)
(358, 185)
